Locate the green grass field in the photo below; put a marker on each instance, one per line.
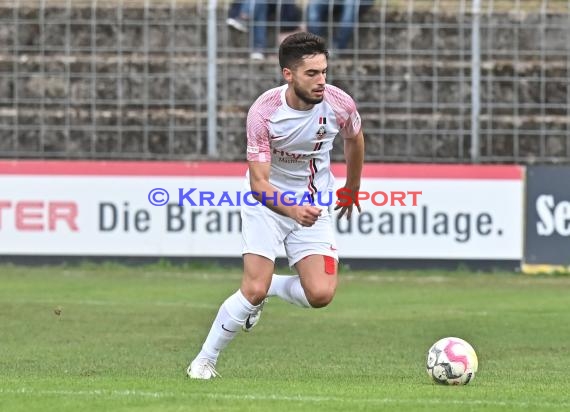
(125, 335)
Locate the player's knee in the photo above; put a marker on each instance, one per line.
(320, 297)
(255, 292)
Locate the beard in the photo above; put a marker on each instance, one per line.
(305, 96)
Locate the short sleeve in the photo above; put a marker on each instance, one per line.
(345, 111)
(352, 125)
(257, 127)
(258, 149)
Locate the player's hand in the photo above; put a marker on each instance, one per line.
(347, 198)
(306, 215)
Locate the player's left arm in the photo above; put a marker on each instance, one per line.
(354, 156)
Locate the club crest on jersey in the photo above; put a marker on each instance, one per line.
(322, 132)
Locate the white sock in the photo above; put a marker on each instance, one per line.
(231, 316)
(288, 288)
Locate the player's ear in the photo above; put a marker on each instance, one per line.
(287, 74)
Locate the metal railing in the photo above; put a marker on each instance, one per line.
(435, 80)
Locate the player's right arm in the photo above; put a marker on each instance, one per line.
(269, 196)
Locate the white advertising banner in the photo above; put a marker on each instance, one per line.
(106, 209)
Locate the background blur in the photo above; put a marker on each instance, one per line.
(131, 79)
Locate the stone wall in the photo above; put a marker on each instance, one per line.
(151, 99)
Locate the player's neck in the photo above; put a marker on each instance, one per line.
(296, 103)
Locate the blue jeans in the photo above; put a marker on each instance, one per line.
(287, 18)
(318, 20)
(258, 11)
(235, 10)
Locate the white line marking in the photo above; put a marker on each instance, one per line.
(94, 302)
(92, 392)
(133, 393)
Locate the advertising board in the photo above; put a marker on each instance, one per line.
(106, 209)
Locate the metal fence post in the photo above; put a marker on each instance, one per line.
(475, 80)
(212, 83)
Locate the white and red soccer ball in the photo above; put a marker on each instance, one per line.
(451, 361)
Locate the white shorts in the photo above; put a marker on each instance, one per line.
(265, 232)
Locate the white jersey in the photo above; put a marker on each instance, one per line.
(298, 142)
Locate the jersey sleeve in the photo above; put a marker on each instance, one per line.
(345, 110)
(257, 136)
(352, 125)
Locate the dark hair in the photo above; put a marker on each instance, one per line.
(296, 46)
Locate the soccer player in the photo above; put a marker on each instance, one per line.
(290, 133)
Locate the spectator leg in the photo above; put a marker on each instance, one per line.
(347, 22)
(317, 17)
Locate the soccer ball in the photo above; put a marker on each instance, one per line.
(451, 361)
